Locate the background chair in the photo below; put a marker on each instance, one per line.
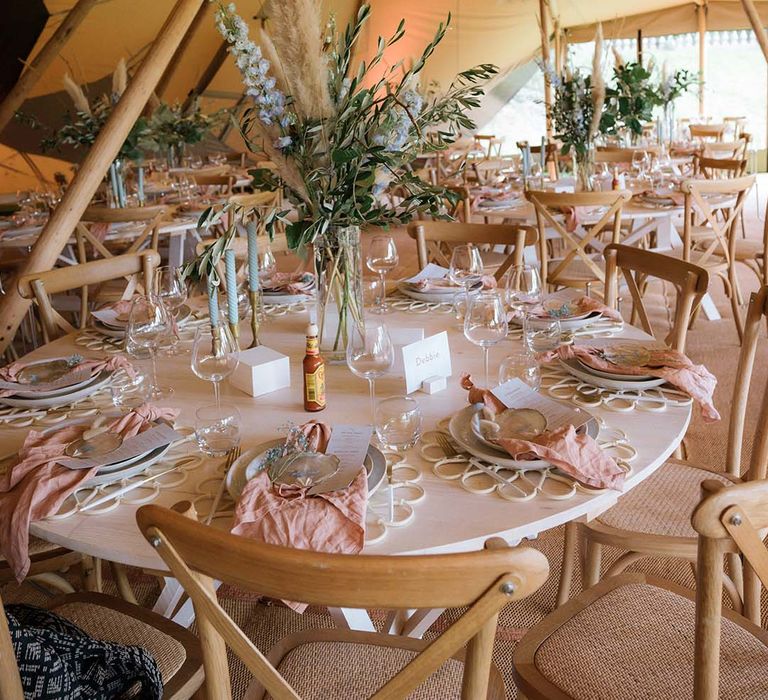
(707, 132)
(484, 582)
(435, 239)
(40, 285)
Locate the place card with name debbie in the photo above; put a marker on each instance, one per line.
(425, 359)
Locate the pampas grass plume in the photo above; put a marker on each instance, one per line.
(598, 84)
(120, 78)
(76, 93)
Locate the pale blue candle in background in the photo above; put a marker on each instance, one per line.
(253, 257)
(229, 264)
(543, 154)
(140, 184)
(213, 303)
(113, 182)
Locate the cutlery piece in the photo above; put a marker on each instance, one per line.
(126, 489)
(446, 445)
(231, 457)
(490, 472)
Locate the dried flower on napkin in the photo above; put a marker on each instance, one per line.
(36, 485)
(289, 283)
(485, 396)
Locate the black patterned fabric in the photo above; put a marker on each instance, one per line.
(58, 661)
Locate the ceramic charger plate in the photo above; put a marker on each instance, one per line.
(80, 392)
(251, 462)
(460, 428)
(588, 376)
(67, 389)
(434, 297)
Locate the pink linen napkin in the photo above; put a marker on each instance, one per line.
(290, 283)
(578, 455)
(35, 486)
(121, 308)
(672, 366)
(677, 198)
(577, 306)
(284, 515)
(94, 366)
(446, 285)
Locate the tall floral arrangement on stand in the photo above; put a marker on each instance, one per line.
(340, 139)
(629, 102)
(577, 108)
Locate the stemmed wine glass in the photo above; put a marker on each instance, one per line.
(172, 289)
(148, 323)
(398, 422)
(214, 355)
(524, 288)
(485, 323)
(382, 257)
(466, 268)
(370, 354)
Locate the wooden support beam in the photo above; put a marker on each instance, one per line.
(40, 63)
(181, 49)
(701, 20)
(757, 25)
(63, 220)
(208, 74)
(640, 46)
(545, 56)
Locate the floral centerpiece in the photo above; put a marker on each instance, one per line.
(340, 138)
(670, 88)
(577, 108)
(630, 101)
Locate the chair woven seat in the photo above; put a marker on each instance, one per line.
(663, 503)
(748, 249)
(352, 671)
(637, 641)
(111, 625)
(576, 270)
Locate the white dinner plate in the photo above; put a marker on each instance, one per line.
(286, 299)
(249, 463)
(569, 324)
(68, 389)
(573, 367)
(434, 297)
(130, 468)
(614, 375)
(95, 383)
(460, 428)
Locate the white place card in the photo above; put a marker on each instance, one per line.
(430, 272)
(517, 394)
(401, 337)
(350, 444)
(108, 317)
(426, 358)
(157, 436)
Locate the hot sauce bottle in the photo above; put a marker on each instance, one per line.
(314, 373)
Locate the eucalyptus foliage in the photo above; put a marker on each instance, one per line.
(172, 125)
(629, 101)
(573, 108)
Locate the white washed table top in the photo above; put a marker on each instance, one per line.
(449, 519)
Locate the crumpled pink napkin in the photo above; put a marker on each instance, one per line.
(121, 308)
(577, 306)
(284, 515)
(35, 486)
(672, 366)
(289, 283)
(677, 198)
(578, 455)
(94, 366)
(446, 285)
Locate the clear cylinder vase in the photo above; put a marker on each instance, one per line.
(669, 122)
(585, 169)
(339, 270)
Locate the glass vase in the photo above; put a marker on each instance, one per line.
(339, 270)
(585, 168)
(669, 122)
(174, 155)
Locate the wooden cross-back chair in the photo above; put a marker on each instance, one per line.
(712, 168)
(711, 243)
(655, 639)
(483, 581)
(107, 618)
(578, 267)
(653, 519)
(738, 124)
(622, 155)
(637, 266)
(38, 286)
(219, 184)
(754, 253)
(436, 239)
(704, 132)
(490, 170)
(489, 143)
(729, 150)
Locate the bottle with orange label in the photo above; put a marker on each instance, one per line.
(314, 373)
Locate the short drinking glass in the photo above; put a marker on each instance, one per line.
(217, 429)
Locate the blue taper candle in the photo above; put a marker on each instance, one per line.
(543, 154)
(253, 257)
(229, 264)
(213, 303)
(140, 184)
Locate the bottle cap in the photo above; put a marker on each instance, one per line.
(312, 330)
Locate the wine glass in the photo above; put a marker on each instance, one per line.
(217, 429)
(541, 334)
(370, 354)
(214, 355)
(466, 268)
(148, 323)
(172, 289)
(398, 422)
(485, 323)
(382, 257)
(520, 365)
(524, 288)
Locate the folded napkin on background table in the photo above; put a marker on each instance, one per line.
(284, 515)
(443, 284)
(289, 283)
(121, 308)
(650, 196)
(9, 373)
(35, 486)
(672, 366)
(577, 306)
(578, 455)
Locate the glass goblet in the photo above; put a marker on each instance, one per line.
(214, 355)
(382, 258)
(466, 268)
(541, 334)
(172, 289)
(217, 429)
(485, 323)
(524, 288)
(520, 365)
(148, 323)
(370, 355)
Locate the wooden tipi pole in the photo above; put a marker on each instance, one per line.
(701, 17)
(545, 57)
(39, 64)
(57, 231)
(757, 25)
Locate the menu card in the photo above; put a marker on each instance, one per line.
(349, 443)
(517, 394)
(158, 436)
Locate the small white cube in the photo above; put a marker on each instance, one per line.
(434, 384)
(261, 370)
